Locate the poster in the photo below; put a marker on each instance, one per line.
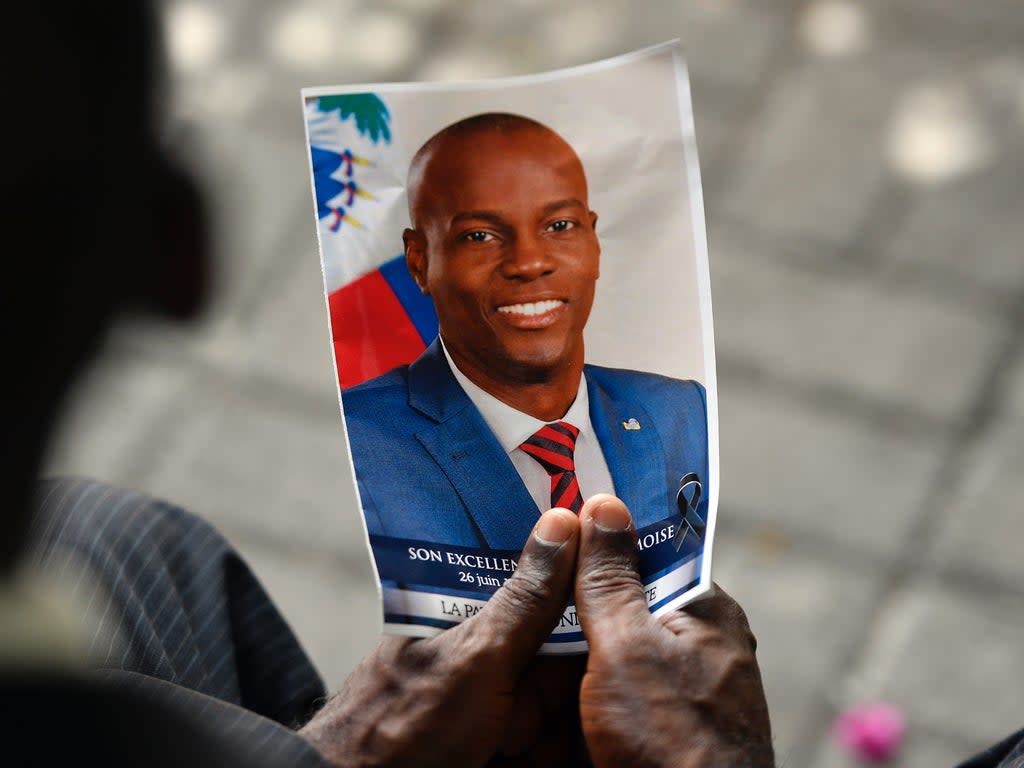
(517, 290)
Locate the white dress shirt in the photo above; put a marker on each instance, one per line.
(512, 427)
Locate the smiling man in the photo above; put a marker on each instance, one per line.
(500, 418)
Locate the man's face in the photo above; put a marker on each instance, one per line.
(505, 245)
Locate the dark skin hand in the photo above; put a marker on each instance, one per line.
(681, 690)
(477, 692)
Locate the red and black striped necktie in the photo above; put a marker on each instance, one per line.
(552, 446)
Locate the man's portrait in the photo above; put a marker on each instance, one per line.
(501, 417)
(520, 314)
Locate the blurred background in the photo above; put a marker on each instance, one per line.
(863, 172)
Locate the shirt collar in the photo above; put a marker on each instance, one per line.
(510, 426)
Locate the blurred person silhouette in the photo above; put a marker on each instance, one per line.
(189, 662)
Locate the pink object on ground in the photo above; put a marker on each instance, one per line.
(872, 732)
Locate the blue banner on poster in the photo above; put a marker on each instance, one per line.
(468, 571)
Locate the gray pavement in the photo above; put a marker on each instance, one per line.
(863, 165)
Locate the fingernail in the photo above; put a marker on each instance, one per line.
(611, 515)
(553, 528)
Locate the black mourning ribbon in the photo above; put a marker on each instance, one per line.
(691, 522)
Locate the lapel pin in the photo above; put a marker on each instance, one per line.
(631, 424)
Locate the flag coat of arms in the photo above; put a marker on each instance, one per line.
(378, 316)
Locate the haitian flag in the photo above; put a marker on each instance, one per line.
(378, 317)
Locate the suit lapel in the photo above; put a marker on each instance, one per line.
(635, 457)
(466, 451)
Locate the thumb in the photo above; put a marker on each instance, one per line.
(518, 618)
(609, 592)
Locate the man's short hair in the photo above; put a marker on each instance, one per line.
(485, 122)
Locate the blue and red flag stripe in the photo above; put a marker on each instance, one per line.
(379, 321)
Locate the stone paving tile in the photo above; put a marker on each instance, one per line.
(950, 658)
(342, 42)
(473, 41)
(999, 19)
(1015, 389)
(284, 335)
(371, 42)
(281, 331)
(565, 34)
(717, 130)
(981, 529)
(785, 464)
(106, 422)
(814, 161)
(261, 195)
(962, 31)
(262, 185)
(803, 608)
(272, 467)
(969, 228)
(751, 32)
(333, 608)
(276, 107)
(894, 344)
(923, 748)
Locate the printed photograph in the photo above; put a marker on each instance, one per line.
(516, 283)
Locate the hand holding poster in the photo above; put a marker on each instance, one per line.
(517, 284)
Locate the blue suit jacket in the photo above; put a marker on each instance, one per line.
(428, 466)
